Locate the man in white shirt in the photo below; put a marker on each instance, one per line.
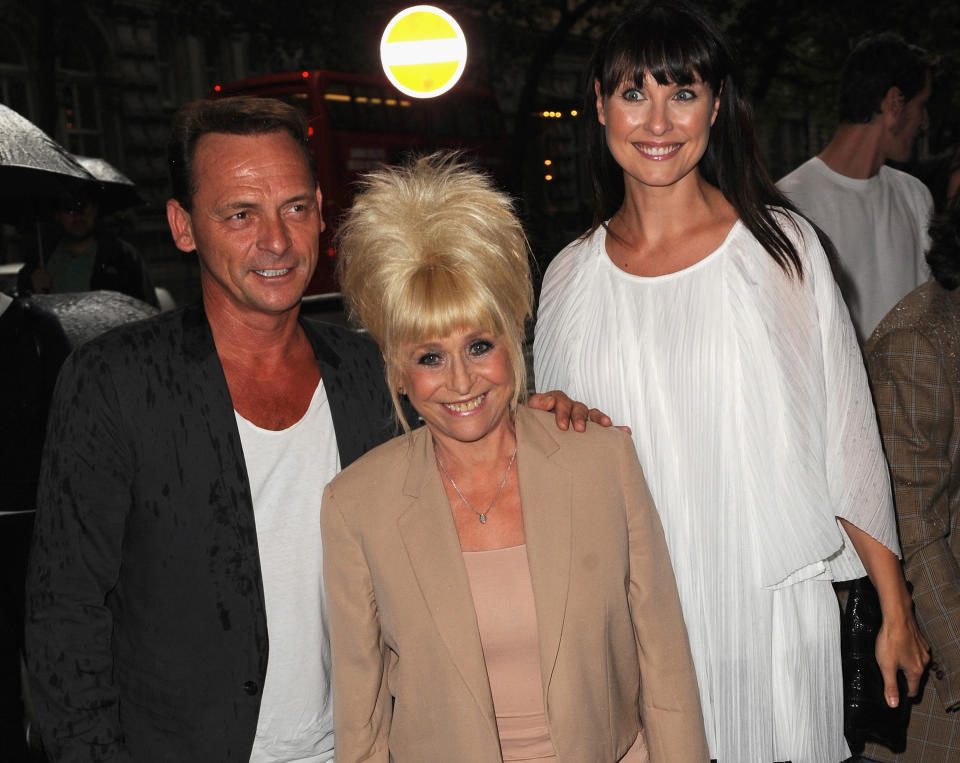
(175, 601)
(875, 215)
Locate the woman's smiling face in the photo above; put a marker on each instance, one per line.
(461, 384)
(657, 133)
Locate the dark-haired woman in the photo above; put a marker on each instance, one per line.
(700, 310)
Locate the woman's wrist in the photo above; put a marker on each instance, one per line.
(895, 602)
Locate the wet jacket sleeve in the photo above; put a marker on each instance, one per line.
(82, 504)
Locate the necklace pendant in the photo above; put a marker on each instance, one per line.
(482, 516)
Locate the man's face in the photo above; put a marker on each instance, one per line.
(255, 222)
(77, 220)
(911, 119)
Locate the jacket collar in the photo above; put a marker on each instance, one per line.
(198, 338)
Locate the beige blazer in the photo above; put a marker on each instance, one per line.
(409, 679)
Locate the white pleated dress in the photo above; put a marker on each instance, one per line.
(752, 418)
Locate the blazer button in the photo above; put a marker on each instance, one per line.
(250, 687)
(940, 674)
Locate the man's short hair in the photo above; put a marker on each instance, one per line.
(239, 115)
(876, 64)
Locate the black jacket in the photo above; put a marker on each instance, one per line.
(146, 628)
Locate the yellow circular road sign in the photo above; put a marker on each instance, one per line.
(423, 51)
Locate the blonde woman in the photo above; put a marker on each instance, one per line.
(498, 589)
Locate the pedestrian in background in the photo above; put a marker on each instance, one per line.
(913, 359)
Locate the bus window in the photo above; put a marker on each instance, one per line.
(410, 118)
(300, 100)
(339, 106)
(402, 115)
(369, 108)
(443, 121)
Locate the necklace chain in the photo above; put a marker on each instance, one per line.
(481, 515)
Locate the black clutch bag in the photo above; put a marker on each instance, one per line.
(867, 717)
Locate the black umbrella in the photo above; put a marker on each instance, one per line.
(116, 190)
(33, 165)
(87, 314)
(35, 171)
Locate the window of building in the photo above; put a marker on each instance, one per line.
(80, 124)
(15, 90)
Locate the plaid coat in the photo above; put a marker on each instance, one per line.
(913, 359)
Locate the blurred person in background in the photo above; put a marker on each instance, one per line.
(876, 216)
(913, 359)
(87, 257)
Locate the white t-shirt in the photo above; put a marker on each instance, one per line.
(288, 470)
(879, 227)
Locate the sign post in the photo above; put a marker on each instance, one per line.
(423, 51)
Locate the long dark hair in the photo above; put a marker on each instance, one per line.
(677, 42)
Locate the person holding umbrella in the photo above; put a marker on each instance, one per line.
(87, 256)
(37, 174)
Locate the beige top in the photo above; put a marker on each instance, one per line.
(507, 620)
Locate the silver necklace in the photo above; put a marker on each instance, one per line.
(481, 515)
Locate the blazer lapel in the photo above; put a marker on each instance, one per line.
(212, 416)
(352, 374)
(545, 490)
(430, 538)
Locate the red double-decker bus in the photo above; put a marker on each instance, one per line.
(358, 122)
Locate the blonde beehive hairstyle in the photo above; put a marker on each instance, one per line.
(429, 248)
